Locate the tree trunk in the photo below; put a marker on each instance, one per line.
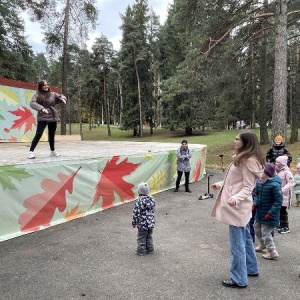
(188, 130)
(121, 103)
(140, 100)
(64, 68)
(263, 129)
(280, 76)
(106, 101)
(294, 95)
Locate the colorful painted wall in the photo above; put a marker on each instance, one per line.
(40, 195)
(17, 119)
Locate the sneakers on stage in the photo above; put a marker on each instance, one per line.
(31, 155)
(54, 154)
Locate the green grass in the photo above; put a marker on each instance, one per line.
(218, 142)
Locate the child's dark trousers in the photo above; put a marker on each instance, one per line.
(145, 241)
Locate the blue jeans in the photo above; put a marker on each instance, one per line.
(243, 256)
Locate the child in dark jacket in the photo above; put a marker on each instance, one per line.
(144, 218)
(278, 149)
(267, 201)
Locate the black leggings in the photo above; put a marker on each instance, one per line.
(41, 125)
(284, 219)
(187, 179)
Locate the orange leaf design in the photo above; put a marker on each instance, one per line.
(12, 139)
(74, 214)
(197, 171)
(25, 118)
(112, 181)
(41, 207)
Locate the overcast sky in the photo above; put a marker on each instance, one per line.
(109, 22)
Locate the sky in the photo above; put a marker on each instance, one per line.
(109, 22)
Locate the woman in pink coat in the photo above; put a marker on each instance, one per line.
(233, 206)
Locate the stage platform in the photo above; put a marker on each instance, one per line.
(16, 153)
(88, 177)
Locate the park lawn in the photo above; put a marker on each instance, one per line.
(218, 142)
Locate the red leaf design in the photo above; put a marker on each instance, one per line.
(25, 117)
(112, 181)
(41, 207)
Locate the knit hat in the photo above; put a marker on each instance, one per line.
(269, 169)
(278, 138)
(143, 188)
(282, 159)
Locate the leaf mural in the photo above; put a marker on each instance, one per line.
(25, 118)
(7, 173)
(112, 181)
(8, 95)
(148, 155)
(172, 156)
(1, 117)
(41, 207)
(157, 180)
(12, 139)
(197, 171)
(74, 213)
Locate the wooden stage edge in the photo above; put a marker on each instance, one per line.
(16, 153)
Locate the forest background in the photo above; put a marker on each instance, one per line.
(211, 64)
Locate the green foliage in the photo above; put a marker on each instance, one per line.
(135, 60)
(15, 53)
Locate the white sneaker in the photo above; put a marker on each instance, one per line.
(271, 255)
(31, 155)
(260, 248)
(54, 154)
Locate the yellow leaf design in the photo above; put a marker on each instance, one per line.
(157, 180)
(7, 95)
(148, 155)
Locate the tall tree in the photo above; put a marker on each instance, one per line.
(16, 55)
(279, 114)
(137, 86)
(64, 23)
(104, 75)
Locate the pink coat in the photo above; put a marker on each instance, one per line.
(287, 183)
(238, 184)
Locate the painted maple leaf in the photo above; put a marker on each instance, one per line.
(41, 207)
(25, 118)
(74, 213)
(7, 173)
(112, 181)
(197, 171)
(12, 139)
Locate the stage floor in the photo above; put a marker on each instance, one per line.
(16, 153)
